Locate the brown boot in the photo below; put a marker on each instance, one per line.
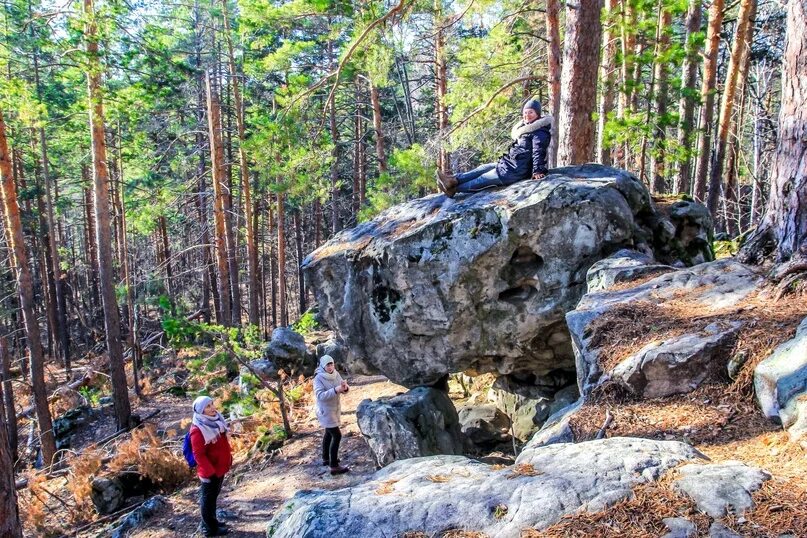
(447, 183)
(339, 470)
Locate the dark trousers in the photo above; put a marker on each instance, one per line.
(330, 446)
(208, 496)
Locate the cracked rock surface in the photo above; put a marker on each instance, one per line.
(453, 492)
(481, 283)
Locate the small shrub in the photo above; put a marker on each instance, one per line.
(306, 324)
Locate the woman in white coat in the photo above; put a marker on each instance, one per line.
(328, 386)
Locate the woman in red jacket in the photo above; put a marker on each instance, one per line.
(213, 456)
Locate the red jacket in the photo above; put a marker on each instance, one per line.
(214, 459)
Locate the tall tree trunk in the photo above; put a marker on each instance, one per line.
(608, 77)
(783, 231)
(734, 213)
(628, 41)
(103, 231)
(62, 330)
(92, 251)
(48, 283)
(336, 223)
(742, 35)
(441, 86)
(381, 153)
(708, 97)
(686, 106)
(281, 260)
(217, 167)
(132, 339)
(657, 158)
(25, 288)
(553, 73)
(162, 230)
(10, 526)
(358, 136)
(8, 398)
(298, 239)
(581, 60)
(252, 251)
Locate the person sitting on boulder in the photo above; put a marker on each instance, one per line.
(328, 385)
(526, 157)
(214, 457)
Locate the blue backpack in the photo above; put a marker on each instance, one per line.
(187, 451)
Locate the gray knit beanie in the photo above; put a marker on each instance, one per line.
(534, 104)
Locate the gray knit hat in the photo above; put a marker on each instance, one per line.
(534, 104)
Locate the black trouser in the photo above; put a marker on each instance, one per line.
(330, 446)
(207, 501)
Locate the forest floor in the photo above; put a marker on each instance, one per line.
(255, 488)
(721, 420)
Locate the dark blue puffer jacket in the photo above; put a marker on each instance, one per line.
(527, 154)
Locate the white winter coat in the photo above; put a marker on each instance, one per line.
(329, 408)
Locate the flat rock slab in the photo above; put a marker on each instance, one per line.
(452, 492)
(480, 283)
(722, 487)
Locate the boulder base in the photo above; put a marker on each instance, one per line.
(421, 422)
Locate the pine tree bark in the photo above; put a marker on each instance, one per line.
(103, 231)
(217, 167)
(629, 73)
(91, 250)
(336, 223)
(686, 107)
(553, 72)
(298, 239)
(8, 397)
(581, 60)
(783, 230)
(742, 35)
(441, 86)
(9, 512)
(25, 289)
(281, 260)
(658, 156)
(162, 230)
(381, 153)
(608, 77)
(708, 98)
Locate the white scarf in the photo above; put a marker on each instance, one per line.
(211, 427)
(521, 128)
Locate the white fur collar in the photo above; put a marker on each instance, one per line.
(520, 128)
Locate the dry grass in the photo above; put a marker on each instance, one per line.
(146, 453)
(780, 507)
(767, 322)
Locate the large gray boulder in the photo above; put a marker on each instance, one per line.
(707, 286)
(421, 422)
(452, 492)
(481, 283)
(677, 365)
(287, 350)
(780, 382)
